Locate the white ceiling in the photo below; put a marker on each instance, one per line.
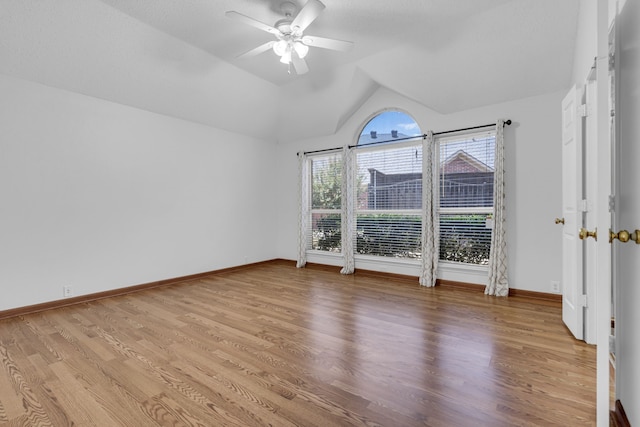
(178, 57)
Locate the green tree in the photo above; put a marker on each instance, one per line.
(327, 184)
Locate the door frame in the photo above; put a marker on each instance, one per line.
(603, 172)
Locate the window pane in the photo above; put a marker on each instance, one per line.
(466, 172)
(389, 126)
(326, 177)
(389, 188)
(466, 181)
(325, 232)
(390, 179)
(389, 235)
(465, 238)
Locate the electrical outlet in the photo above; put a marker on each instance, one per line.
(67, 291)
(555, 286)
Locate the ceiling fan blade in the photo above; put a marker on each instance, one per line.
(307, 15)
(326, 43)
(254, 23)
(299, 64)
(258, 50)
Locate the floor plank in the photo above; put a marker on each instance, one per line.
(276, 345)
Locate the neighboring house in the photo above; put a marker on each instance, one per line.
(465, 181)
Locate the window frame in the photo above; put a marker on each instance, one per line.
(322, 211)
(413, 142)
(469, 210)
(447, 270)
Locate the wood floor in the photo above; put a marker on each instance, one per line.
(276, 345)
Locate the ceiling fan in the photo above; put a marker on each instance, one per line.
(292, 45)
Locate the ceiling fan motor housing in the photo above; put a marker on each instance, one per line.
(288, 9)
(284, 26)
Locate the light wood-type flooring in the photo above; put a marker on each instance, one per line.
(276, 345)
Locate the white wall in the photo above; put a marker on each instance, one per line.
(99, 196)
(586, 48)
(532, 171)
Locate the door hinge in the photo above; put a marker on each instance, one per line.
(612, 344)
(612, 203)
(583, 110)
(584, 301)
(612, 62)
(583, 205)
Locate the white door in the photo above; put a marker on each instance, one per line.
(572, 280)
(627, 115)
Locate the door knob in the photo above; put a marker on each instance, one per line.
(560, 221)
(584, 234)
(624, 236)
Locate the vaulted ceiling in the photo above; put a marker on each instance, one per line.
(179, 57)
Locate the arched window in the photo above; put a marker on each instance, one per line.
(389, 126)
(389, 187)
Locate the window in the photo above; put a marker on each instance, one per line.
(387, 215)
(389, 187)
(326, 202)
(466, 197)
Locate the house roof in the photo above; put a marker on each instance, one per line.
(463, 162)
(369, 138)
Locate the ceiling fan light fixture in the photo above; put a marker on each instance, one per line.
(280, 47)
(286, 57)
(301, 49)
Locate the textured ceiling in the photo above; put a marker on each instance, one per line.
(179, 57)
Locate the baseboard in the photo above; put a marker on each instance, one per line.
(535, 295)
(617, 417)
(460, 285)
(21, 311)
(439, 282)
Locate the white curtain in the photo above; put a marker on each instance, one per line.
(430, 219)
(498, 284)
(303, 213)
(348, 210)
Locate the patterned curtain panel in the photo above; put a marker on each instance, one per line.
(430, 222)
(303, 213)
(348, 213)
(498, 283)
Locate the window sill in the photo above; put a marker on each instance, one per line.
(447, 270)
(466, 273)
(325, 257)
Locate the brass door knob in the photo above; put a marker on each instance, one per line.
(560, 221)
(624, 236)
(584, 234)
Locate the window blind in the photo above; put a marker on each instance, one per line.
(389, 200)
(466, 166)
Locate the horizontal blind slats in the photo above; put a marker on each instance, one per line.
(389, 201)
(466, 171)
(465, 238)
(466, 183)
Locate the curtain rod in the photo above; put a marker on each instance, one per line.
(506, 123)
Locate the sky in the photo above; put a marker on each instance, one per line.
(392, 120)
